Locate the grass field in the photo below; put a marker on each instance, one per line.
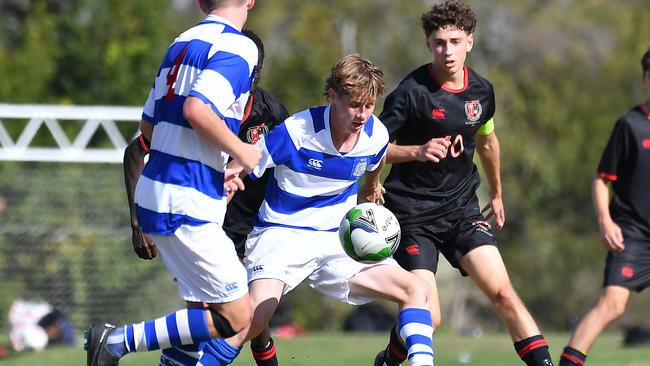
(359, 349)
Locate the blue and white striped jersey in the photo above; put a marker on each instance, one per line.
(182, 182)
(313, 185)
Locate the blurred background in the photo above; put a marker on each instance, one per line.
(563, 71)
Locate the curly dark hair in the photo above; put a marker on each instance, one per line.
(645, 61)
(451, 13)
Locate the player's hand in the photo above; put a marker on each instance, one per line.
(434, 150)
(373, 193)
(143, 245)
(232, 181)
(612, 236)
(495, 208)
(248, 156)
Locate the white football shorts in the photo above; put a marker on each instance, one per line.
(292, 255)
(203, 261)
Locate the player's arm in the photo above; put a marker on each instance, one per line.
(397, 111)
(210, 126)
(134, 155)
(488, 149)
(372, 190)
(433, 150)
(610, 232)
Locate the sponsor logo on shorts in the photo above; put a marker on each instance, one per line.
(484, 227)
(646, 144)
(413, 249)
(232, 287)
(257, 268)
(315, 164)
(627, 272)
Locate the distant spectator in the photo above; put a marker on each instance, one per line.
(35, 325)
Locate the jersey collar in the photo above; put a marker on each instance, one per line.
(455, 91)
(643, 110)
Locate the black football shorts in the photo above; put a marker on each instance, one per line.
(420, 245)
(631, 267)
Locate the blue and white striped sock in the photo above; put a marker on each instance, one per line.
(217, 352)
(181, 356)
(184, 327)
(416, 330)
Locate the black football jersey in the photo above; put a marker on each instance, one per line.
(626, 163)
(263, 113)
(418, 110)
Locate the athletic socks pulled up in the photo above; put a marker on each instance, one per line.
(572, 357)
(218, 352)
(416, 329)
(534, 351)
(265, 355)
(184, 327)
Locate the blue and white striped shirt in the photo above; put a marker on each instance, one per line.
(182, 182)
(313, 185)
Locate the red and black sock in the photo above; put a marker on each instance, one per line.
(265, 355)
(396, 351)
(572, 357)
(534, 351)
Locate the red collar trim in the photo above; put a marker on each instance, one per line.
(644, 111)
(465, 80)
(249, 106)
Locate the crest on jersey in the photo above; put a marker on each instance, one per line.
(360, 168)
(255, 133)
(473, 110)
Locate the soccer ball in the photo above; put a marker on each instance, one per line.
(369, 233)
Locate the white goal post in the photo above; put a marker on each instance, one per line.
(75, 149)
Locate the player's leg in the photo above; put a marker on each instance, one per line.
(222, 284)
(486, 268)
(278, 260)
(393, 283)
(265, 294)
(418, 253)
(610, 307)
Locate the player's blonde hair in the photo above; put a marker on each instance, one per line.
(356, 77)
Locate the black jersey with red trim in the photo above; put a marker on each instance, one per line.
(418, 110)
(263, 113)
(626, 163)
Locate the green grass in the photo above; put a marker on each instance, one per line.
(359, 349)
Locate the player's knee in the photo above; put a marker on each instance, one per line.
(231, 324)
(416, 291)
(612, 308)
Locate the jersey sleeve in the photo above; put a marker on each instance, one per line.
(615, 152)
(277, 148)
(374, 164)
(396, 112)
(225, 78)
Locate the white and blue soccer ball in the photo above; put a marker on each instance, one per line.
(369, 233)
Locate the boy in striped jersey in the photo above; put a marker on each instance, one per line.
(318, 156)
(264, 113)
(191, 117)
